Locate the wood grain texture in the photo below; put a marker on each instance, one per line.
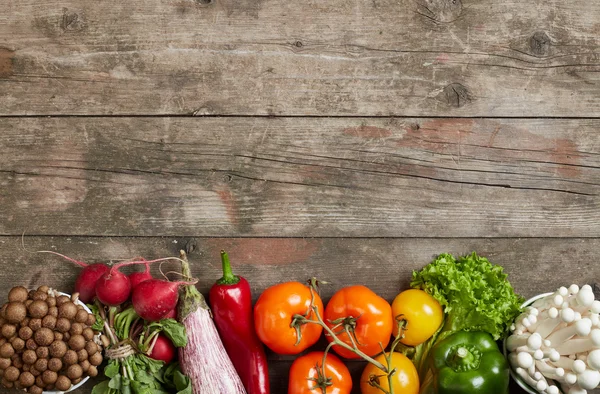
(385, 265)
(272, 57)
(300, 177)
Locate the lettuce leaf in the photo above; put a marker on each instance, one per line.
(475, 295)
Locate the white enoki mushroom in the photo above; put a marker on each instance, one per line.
(576, 390)
(552, 389)
(526, 377)
(557, 340)
(578, 367)
(538, 354)
(570, 378)
(546, 328)
(549, 371)
(579, 345)
(588, 379)
(593, 359)
(515, 341)
(541, 317)
(563, 362)
(567, 315)
(581, 328)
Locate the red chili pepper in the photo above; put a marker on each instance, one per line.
(231, 303)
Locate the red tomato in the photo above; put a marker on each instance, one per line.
(275, 310)
(307, 370)
(374, 321)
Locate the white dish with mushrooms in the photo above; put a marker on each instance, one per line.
(47, 343)
(554, 346)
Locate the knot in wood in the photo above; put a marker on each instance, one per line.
(539, 43)
(6, 62)
(190, 246)
(456, 95)
(298, 44)
(72, 21)
(204, 2)
(440, 11)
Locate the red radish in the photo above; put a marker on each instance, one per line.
(162, 349)
(138, 277)
(154, 298)
(86, 281)
(171, 315)
(114, 287)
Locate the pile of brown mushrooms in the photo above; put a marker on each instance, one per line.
(46, 341)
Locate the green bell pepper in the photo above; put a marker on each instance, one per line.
(467, 362)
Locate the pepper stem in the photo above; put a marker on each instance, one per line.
(228, 277)
(463, 358)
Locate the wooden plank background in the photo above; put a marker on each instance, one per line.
(300, 177)
(353, 141)
(273, 57)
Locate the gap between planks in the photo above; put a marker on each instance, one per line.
(167, 115)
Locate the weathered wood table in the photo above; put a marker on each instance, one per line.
(350, 140)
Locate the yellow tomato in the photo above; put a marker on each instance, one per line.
(404, 381)
(422, 312)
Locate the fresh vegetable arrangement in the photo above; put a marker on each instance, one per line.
(478, 302)
(155, 335)
(445, 329)
(440, 336)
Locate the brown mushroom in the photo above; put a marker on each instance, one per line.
(18, 294)
(63, 383)
(15, 312)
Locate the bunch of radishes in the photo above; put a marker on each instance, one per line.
(556, 342)
(153, 299)
(203, 359)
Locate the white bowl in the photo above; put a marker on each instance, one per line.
(75, 386)
(524, 385)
